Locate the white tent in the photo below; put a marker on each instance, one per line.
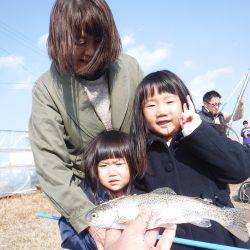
(17, 168)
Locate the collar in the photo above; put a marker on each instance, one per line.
(208, 113)
(93, 77)
(101, 195)
(153, 138)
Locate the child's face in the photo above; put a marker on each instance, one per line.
(114, 174)
(162, 112)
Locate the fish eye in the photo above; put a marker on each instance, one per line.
(94, 215)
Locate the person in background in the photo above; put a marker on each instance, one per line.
(210, 111)
(245, 133)
(89, 87)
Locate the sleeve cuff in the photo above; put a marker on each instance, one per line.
(78, 221)
(190, 129)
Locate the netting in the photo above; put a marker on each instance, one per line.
(17, 168)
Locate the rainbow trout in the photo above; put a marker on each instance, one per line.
(168, 207)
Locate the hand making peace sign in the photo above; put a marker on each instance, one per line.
(189, 119)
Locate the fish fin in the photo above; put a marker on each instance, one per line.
(205, 200)
(247, 211)
(202, 223)
(115, 199)
(235, 220)
(164, 190)
(208, 201)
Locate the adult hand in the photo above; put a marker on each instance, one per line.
(98, 235)
(189, 119)
(135, 236)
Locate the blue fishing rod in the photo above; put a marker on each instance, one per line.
(177, 240)
(203, 244)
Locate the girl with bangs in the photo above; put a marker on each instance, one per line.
(109, 170)
(109, 166)
(174, 148)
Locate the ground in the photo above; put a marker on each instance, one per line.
(20, 228)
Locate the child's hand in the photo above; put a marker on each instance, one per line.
(189, 119)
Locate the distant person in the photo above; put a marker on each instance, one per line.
(245, 133)
(210, 111)
(89, 88)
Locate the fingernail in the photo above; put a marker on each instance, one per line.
(171, 226)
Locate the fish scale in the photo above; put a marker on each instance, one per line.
(168, 207)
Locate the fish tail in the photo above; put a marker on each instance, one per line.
(235, 220)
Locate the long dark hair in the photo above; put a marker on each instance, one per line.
(108, 144)
(160, 81)
(69, 21)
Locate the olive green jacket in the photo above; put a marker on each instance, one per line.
(63, 121)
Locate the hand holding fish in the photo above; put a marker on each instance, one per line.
(189, 119)
(135, 236)
(98, 235)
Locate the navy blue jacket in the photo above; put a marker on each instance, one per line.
(83, 241)
(199, 165)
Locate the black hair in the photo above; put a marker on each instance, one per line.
(106, 145)
(245, 122)
(161, 81)
(210, 94)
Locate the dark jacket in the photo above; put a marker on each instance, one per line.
(199, 165)
(82, 241)
(210, 118)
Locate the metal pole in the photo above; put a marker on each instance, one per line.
(238, 100)
(234, 90)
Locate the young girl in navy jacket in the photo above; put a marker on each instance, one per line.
(109, 171)
(174, 148)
